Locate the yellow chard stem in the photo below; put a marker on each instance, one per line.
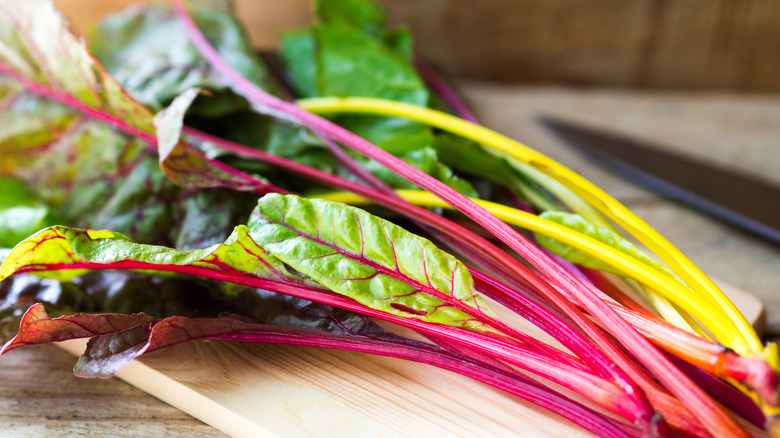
(743, 340)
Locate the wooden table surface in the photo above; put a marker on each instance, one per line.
(39, 396)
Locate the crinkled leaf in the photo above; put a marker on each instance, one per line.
(128, 44)
(367, 258)
(37, 50)
(36, 44)
(64, 253)
(603, 235)
(71, 163)
(142, 205)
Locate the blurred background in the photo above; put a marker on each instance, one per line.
(680, 44)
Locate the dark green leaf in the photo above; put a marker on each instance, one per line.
(299, 51)
(147, 50)
(354, 64)
(208, 216)
(366, 15)
(142, 206)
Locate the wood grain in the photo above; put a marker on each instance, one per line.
(690, 44)
(281, 391)
(39, 396)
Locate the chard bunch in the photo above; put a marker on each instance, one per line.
(175, 146)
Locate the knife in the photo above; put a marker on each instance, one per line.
(741, 200)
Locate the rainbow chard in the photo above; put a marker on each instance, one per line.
(170, 203)
(374, 274)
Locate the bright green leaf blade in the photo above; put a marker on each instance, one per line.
(368, 259)
(13, 193)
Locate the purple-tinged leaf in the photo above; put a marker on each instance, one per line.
(38, 52)
(37, 328)
(186, 167)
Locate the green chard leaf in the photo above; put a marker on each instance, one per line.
(342, 248)
(350, 53)
(128, 44)
(369, 259)
(366, 15)
(21, 214)
(350, 63)
(73, 164)
(603, 235)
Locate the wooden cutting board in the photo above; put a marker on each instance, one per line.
(255, 390)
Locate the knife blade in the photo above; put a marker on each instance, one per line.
(736, 198)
